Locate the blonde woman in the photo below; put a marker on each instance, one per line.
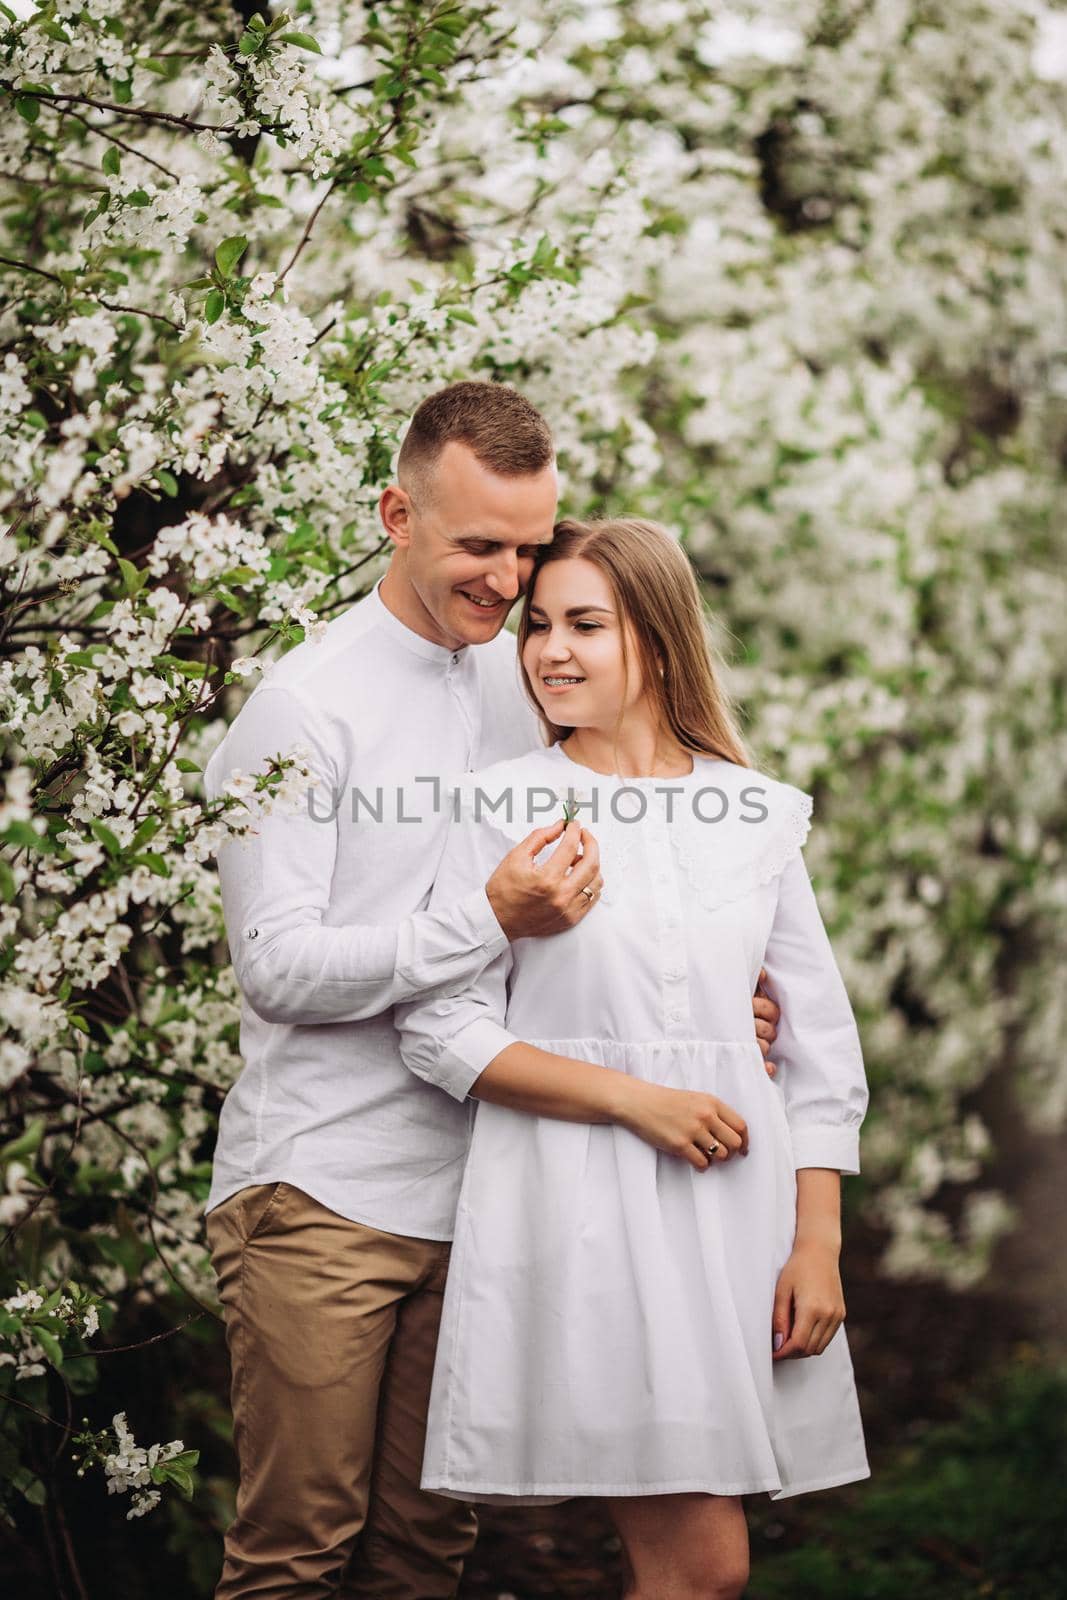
(658, 1326)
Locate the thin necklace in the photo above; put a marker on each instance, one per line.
(651, 774)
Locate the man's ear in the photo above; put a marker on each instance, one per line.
(394, 509)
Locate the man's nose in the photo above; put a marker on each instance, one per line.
(503, 575)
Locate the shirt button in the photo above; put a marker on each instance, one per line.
(455, 657)
(251, 933)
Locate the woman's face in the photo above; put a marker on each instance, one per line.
(573, 655)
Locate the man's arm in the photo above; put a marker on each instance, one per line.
(292, 964)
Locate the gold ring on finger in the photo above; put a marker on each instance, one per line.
(590, 894)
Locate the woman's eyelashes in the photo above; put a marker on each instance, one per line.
(582, 627)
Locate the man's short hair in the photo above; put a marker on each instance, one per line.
(501, 429)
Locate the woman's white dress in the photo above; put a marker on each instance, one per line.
(607, 1320)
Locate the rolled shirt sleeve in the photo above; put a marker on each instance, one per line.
(450, 1039)
(818, 1047)
(291, 965)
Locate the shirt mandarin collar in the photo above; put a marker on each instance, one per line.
(406, 637)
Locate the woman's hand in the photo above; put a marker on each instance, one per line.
(809, 1303)
(682, 1123)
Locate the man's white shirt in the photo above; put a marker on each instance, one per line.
(326, 915)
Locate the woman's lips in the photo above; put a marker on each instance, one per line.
(561, 688)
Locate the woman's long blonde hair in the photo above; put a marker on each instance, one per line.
(656, 591)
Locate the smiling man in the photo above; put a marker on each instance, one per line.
(337, 1170)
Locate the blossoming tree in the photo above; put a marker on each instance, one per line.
(786, 277)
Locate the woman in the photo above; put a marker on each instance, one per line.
(652, 1320)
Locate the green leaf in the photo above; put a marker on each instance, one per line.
(248, 44)
(108, 839)
(24, 835)
(138, 197)
(112, 161)
(27, 1143)
(28, 108)
(214, 306)
(183, 764)
(133, 578)
(8, 887)
(122, 89)
(167, 482)
(178, 1471)
(148, 830)
(54, 31)
(188, 669)
(303, 41)
(455, 24)
(77, 1022)
(545, 254)
(257, 24)
(50, 1345)
(155, 863)
(31, 1488)
(229, 253)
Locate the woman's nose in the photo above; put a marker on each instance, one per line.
(555, 649)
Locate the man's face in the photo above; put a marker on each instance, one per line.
(472, 539)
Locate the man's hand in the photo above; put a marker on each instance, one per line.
(530, 900)
(766, 1014)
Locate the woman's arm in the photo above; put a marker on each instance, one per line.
(809, 1302)
(459, 1043)
(675, 1121)
(823, 1082)
(825, 1092)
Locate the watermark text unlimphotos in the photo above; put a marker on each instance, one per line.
(534, 806)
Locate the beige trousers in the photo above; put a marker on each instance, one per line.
(331, 1328)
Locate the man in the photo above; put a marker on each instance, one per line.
(337, 1171)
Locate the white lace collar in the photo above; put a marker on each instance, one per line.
(732, 828)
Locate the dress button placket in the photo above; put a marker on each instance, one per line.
(666, 891)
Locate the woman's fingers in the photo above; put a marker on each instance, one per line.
(730, 1127)
(811, 1332)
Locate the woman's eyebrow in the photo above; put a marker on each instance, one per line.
(576, 611)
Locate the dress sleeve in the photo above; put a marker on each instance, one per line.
(292, 964)
(818, 1046)
(449, 1040)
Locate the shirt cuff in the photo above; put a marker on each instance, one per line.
(465, 1058)
(487, 930)
(822, 1145)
